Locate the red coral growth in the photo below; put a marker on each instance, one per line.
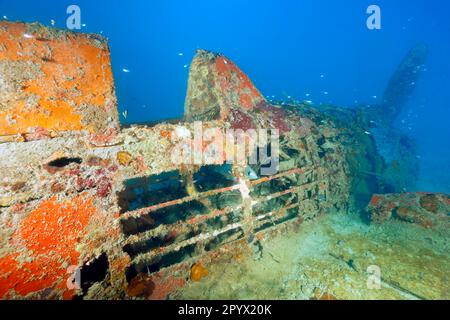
(153, 287)
(424, 209)
(240, 120)
(232, 80)
(276, 116)
(246, 101)
(101, 139)
(222, 66)
(113, 168)
(73, 172)
(85, 183)
(164, 286)
(375, 201)
(104, 187)
(101, 180)
(38, 133)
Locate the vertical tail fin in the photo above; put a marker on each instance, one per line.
(403, 82)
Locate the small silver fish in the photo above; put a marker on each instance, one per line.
(251, 174)
(125, 114)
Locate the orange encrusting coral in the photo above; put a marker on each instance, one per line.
(73, 74)
(198, 271)
(50, 234)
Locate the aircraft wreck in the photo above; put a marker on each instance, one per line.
(95, 211)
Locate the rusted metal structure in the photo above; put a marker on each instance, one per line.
(425, 209)
(81, 198)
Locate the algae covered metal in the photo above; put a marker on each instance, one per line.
(92, 210)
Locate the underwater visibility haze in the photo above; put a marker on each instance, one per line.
(91, 117)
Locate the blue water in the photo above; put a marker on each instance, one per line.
(288, 48)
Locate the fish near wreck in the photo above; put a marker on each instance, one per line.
(94, 211)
